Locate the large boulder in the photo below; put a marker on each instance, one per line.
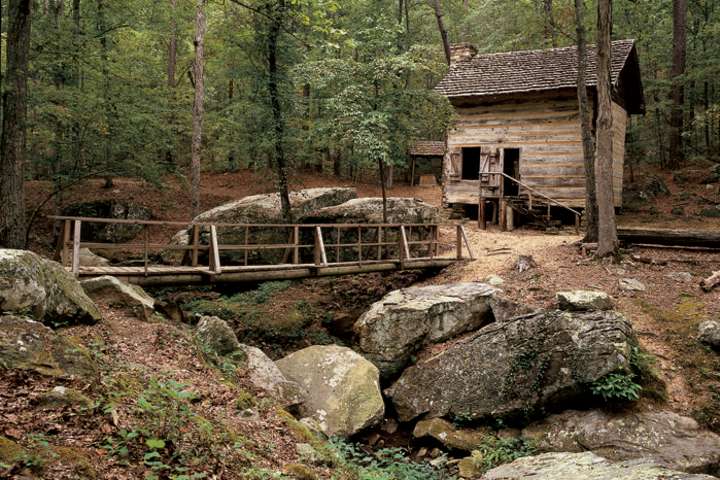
(265, 375)
(111, 291)
(583, 466)
(266, 208)
(516, 367)
(29, 345)
(260, 209)
(370, 210)
(663, 437)
(109, 232)
(31, 284)
(405, 320)
(343, 389)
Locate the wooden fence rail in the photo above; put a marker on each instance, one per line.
(375, 246)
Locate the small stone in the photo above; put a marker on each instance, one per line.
(680, 277)
(308, 454)
(300, 472)
(494, 280)
(583, 300)
(467, 468)
(710, 333)
(450, 436)
(390, 426)
(631, 285)
(60, 397)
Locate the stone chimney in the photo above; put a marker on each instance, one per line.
(461, 52)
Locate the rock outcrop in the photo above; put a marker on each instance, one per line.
(516, 367)
(265, 208)
(370, 210)
(343, 389)
(663, 437)
(29, 345)
(405, 320)
(583, 300)
(259, 209)
(109, 232)
(31, 284)
(583, 466)
(113, 292)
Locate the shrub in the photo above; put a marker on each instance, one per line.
(617, 386)
(385, 464)
(495, 451)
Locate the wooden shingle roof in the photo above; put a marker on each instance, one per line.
(427, 148)
(500, 74)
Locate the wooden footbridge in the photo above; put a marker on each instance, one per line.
(228, 252)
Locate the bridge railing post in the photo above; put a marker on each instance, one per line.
(458, 242)
(195, 244)
(214, 251)
(75, 265)
(319, 253)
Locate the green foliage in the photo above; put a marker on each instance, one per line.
(170, 439)
(384, 464)
(617, 386)
(496, 451)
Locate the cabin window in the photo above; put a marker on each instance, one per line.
(511, 167)
(471, 163)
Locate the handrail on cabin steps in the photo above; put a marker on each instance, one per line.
(578, 215)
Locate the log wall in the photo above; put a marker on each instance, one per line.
(546, 130)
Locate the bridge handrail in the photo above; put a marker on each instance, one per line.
(190, 223)
(72, 230)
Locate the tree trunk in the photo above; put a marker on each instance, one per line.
(12, 140)
(550, 30)
(232, 159)
(381, 169)
(607, 231)
(591, 207)
(198, 107)
(441, 26)
(101, 27)
(278, 121)
(677, 155)
(171, 77)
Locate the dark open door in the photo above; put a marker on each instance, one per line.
(511, 167)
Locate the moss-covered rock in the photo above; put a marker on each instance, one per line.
(343, 388)
(10, 452)
(29, 345)
(33, 285)
(517, 368)
(216, 336)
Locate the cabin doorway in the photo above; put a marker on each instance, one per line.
(511, 167)
(471, 163)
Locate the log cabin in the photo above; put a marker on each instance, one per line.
(516, 141)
